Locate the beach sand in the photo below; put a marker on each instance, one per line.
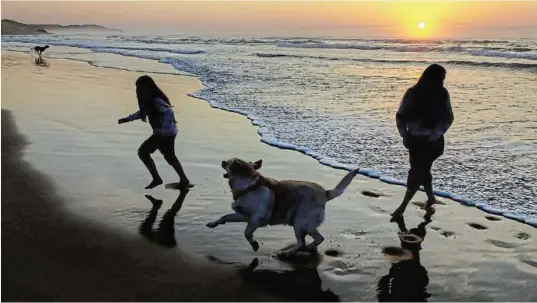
(76, 237)
(50, 255)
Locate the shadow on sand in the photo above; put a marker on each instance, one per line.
(165, 233)
(38, 61)
(407, 279)
(302, 283)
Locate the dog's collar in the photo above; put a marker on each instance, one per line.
(251, 187)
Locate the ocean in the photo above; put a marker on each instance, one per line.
(335, 100)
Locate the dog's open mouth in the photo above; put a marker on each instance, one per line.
(226, 176)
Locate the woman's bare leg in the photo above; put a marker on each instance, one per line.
(411, 189)
(144, 153)
(183, 179)
(168, 151)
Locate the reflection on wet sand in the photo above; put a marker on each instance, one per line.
(302, 283)
(407, 279)
(38, 61)
(165, 234)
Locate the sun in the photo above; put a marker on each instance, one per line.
(421, 25)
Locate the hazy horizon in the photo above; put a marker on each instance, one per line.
(375, 19)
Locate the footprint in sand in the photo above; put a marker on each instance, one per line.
(501, 244)
(522, 235)
(448, 234)
(477, 226)
(378, 209)
(331, 252)
(353, 234)
(373, 193)
(530, 262)
(421, 204)
(445, 233)
(493, 218)
(341, 268)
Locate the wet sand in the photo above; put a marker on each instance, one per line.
(466, 254)
(50, 255)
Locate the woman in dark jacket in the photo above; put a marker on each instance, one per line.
(154, 106)
(423, 118)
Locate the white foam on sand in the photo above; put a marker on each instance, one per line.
(267, 138)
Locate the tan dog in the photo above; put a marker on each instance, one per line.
(262, 201)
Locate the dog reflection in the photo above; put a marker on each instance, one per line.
(41, 62)
(302, 283)
(407, 279)
(165, 233)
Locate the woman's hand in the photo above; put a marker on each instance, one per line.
(406, 140)
(122, 120)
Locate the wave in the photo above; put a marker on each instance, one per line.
(415, 48)
(480, 41)
(510, 54)
(298, 40)
(196, 40)
(511, 65)
(174, 51)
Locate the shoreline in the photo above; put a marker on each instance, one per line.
(370, 173)
(462, 248)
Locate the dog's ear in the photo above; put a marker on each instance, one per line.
(257, 164)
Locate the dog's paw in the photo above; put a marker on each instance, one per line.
(212, 224)
(310, 249)
(255, 245)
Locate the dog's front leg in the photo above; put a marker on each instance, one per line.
(236, 217)
(300, 244)
(249, 234)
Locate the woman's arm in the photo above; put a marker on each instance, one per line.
(402, 114)
(130, 118)
(443, 125)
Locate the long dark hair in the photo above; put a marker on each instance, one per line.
(428, 96)
(148, 105)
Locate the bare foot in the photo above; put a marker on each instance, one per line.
(255, 245)
(154, 183)
(185, 184)
(212, 224)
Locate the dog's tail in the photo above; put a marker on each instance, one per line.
(342, 185)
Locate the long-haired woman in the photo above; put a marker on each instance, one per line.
(424, 116)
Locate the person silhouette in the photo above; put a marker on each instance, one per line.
(424, 116)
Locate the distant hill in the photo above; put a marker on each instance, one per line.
(10, 27)
(74, 27)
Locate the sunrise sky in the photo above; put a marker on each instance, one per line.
(398, 19)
